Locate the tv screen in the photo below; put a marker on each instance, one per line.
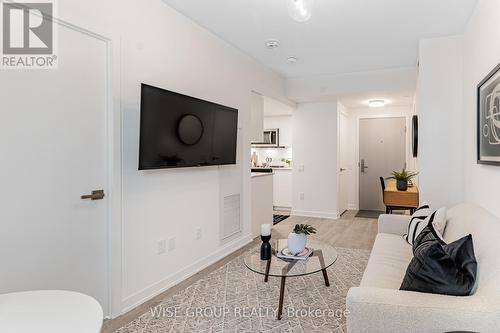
(181, 131)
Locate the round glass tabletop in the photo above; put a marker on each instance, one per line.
(323, 257)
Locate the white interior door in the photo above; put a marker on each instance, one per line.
(343, 163)
(53, 143)
(382, 149)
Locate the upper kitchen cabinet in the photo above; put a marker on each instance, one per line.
(284, 123)
(279, 115)
(257, 118)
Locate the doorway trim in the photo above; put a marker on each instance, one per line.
(356, 149)
(339, 114)
(114, 180)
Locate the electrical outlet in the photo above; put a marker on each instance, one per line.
(162, 246)
(171, 244)
(301, 168)
(301, 196)
(198, 233)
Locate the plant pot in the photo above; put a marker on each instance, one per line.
(402, 185)
(296, 242)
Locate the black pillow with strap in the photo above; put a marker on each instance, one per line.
(440, 268)
(429, 234)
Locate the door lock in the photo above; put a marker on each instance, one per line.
(95, 195)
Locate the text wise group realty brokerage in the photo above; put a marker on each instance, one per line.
(244, 312)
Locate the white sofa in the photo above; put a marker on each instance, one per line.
(378, 305)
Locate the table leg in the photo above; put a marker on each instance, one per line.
(319, 253)
(268, 265)
(325, 276)
(282, 295)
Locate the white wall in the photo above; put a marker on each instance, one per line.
(315, 149)
(481, 55)
(354, 116)
(156, 45)
(441, 125)
(257, 118)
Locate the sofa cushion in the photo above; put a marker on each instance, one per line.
(467, 219)
(416, 219)
(442, 269)
(419, 221)
(388, 262)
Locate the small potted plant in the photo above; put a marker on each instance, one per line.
(298, 237)
(287, 161)
(402, 178)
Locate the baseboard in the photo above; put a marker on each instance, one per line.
(157, 288)
(323, 215)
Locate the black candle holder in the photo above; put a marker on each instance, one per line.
(265, 248)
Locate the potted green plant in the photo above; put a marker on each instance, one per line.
(297, 239)
(402, 178)
(287, 161)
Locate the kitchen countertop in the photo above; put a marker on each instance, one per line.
(274, 168)
(261, 174)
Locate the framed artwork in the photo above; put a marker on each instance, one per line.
(488, 119)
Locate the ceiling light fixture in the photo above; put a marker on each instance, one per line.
(292, 60)
(376, 103)
(272, 43)
(300, 10)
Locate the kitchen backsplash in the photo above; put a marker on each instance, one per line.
(277, 154)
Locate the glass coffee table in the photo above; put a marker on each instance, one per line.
(323, 257)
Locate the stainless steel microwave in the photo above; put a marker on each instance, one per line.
(271, 138)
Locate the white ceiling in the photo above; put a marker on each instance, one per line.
(342, 36)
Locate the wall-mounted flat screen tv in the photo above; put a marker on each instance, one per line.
(181, 131)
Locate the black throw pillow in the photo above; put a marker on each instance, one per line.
(440, 268)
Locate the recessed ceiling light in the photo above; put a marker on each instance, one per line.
(272, 43)
(292, 60)
(300, 10)
(376, 103)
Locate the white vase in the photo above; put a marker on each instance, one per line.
(296, 242)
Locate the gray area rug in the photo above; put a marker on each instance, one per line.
(235, 299)
(369, 214)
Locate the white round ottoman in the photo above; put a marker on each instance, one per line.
(49, 311)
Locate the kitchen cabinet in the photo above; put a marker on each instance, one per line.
(257, 118)
(284, 123)
(262, 201)
(282, 184)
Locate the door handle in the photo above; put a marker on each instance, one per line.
(342, 169)
(363, 167)
(95, 195)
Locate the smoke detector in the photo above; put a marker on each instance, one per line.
(292, 60)
(272, 43)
